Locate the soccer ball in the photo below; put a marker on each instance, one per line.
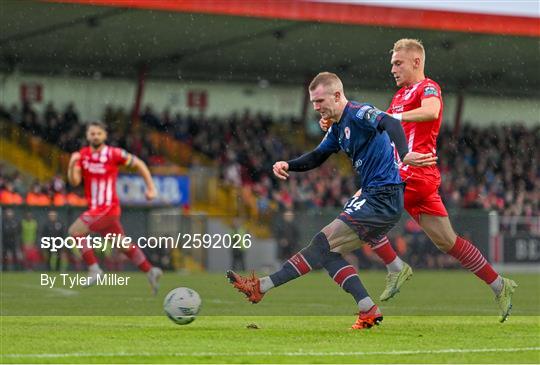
(182, 305)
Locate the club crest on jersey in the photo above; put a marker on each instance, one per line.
(347, 133)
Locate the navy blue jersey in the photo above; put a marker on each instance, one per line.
(370, 150)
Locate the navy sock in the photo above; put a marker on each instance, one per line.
(309, 258)
(345, 275)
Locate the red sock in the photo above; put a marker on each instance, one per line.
(473, 260)
(87, 252)
(385, 251)
(136, 256)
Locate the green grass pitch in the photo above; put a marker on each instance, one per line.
(440, 317)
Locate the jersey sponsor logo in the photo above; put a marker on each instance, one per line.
(431, 90)
(360, 113)
(94, 167)
(372, 114)
(347, 132)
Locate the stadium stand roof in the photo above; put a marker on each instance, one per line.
(279, 44)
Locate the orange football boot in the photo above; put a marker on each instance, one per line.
(250, 286)
(368, 319)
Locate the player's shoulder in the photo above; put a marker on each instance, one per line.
(366, 113)
(358, 110)
(428, 87)
(116, 151)
(85, 151)
(427, 81)
(355, 105)
(114, 148)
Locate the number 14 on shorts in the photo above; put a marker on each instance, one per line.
(354, 204)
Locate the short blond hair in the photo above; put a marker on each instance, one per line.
(328, 80)
(408, 44)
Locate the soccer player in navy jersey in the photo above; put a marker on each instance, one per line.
(365, 134)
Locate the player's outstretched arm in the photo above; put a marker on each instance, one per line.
(305, 162)
(74, 170)
(143, 170)
(428, 111)
(419, 159)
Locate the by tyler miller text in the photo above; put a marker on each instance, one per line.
(73, 280)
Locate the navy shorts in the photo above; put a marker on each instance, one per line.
(374, 212)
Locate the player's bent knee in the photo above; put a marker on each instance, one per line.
(317, 250)
(338, 233)
(77, 229)
(319, 243)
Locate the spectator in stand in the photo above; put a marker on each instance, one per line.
(58, 184)
(8, 196)
(37, 197)
(18, 184)
(70, 116)
(150, 118)
(59, 198)
(74, 199)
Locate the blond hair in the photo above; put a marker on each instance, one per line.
(328, 80)
(408, 44)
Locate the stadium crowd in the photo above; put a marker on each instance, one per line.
(13, 191)
(487, 168)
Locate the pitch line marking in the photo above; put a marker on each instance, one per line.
(269, 353)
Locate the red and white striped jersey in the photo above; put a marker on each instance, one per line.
(99, 173)
(421, 136)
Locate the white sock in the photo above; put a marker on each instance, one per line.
(395, 266)
(94, 267)
(497, 285)
(365, 304)
(266, 284)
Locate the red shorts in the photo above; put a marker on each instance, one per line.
(103, 220)
(422, 196)
(31, 254)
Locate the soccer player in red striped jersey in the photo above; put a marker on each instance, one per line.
(418, 105)
(97, 166)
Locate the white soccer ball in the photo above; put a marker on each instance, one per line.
(182, 305)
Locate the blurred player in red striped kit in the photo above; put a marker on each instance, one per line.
(97, 166)
(418, 105)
